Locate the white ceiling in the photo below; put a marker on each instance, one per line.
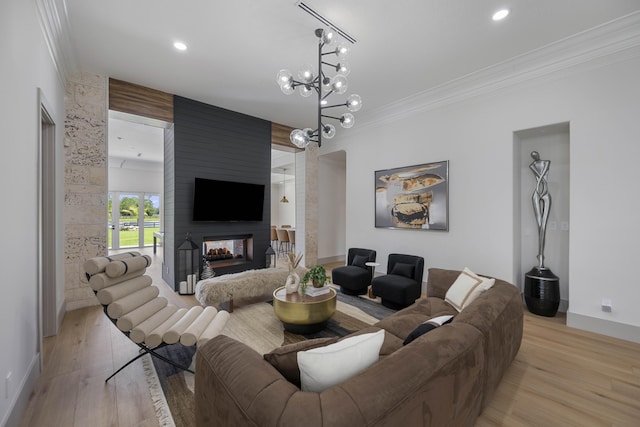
(235, 48)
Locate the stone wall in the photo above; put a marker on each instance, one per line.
(310, 205)
(85, 182)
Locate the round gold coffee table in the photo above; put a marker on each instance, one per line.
(304, 315)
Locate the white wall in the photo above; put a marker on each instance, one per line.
(600, 101)
(283, 213)
(26, 66)
(122, 179)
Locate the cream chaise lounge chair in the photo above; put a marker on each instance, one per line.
(134, 307)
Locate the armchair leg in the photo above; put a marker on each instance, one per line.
(145, 350)
(126, 364)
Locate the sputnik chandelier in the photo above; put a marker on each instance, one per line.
(324, 85)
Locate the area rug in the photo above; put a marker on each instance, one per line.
(257, 326)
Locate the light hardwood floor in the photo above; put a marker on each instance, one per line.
(561, 376)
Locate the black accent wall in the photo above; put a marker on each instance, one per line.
(213, 143)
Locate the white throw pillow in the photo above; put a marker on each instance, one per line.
(467, 287)
(324, 367)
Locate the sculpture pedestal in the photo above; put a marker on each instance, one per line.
(542, 291)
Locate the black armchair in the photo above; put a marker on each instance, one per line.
(355, 277)
(402, 284)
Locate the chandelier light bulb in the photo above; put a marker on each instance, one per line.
(284, 77)
(328, 37)
(328, 131)
(306, 91)
(500, 15)
(287, 89)
(342, 50)
(347, 120)
(306, 74)
(285, 81)
(339, 85)
(299, 138)
(343, 68)
(354, 103)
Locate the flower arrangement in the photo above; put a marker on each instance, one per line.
(317, 275)
(293, 260)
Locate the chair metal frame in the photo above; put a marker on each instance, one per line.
(144, 349)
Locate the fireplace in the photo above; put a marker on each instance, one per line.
(226, 251)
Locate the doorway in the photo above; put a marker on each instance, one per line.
(136, 180)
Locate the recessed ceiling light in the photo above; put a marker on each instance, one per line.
(500, 15)
(180, 46)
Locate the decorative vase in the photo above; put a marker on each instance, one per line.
(292, 283)
(542, 292)
(317, 284)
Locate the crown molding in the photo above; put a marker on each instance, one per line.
(576, 51)
(54, 23)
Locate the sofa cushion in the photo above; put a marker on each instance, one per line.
(404, 321)
(467, 287)
(285, 358)
(359, 261)
(389, 346)
(427, 326)
(324, 367)
(402, 269)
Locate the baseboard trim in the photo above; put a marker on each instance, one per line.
(604, 327)
(60, 317)
(21, 399)
(332, 259)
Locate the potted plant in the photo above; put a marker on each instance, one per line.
(317, 275)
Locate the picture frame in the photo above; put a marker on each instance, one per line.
(413, 197)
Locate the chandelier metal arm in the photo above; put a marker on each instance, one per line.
(336, 66)
(326, 96)
(344, 104)
(332, 117)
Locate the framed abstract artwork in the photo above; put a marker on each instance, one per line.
(413, 197)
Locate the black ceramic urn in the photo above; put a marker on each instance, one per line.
(542, 291)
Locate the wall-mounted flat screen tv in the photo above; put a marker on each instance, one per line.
(215, 200)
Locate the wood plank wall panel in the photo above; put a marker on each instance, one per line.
(280, 136)
(214, 143)
(139, 100)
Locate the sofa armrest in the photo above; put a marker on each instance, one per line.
(439, 281)
(235, 386)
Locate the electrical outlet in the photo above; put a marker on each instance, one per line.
(553, 225)
(606, 305)
(564, 225)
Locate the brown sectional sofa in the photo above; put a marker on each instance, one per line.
(444, 378)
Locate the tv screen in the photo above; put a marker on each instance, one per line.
(227, 201)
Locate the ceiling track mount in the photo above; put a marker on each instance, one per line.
(302, 5)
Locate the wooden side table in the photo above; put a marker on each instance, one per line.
(373, 265)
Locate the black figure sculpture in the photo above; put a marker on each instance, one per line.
(541, 286)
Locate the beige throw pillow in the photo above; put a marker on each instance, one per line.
(467, 287)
